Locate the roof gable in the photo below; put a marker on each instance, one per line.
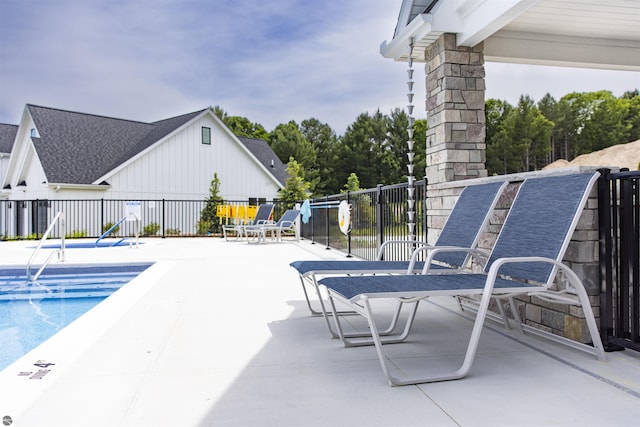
(7, 137)
(78, 148)
(265, 154)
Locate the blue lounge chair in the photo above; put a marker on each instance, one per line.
(463, 228)
(262, 217)
(525, 260)
(285, 225)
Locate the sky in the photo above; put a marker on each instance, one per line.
(270, 61)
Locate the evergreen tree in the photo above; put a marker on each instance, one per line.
(295, 188)
(209, 222)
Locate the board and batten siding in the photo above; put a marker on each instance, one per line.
(181, 167)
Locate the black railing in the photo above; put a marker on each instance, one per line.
(28, 219)
(619, 224)
(377, 215)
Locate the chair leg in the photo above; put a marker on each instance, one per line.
(366, 339)
(457, 374)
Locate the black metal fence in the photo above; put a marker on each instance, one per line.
(619, 217)
(20, 219)
(377, 215)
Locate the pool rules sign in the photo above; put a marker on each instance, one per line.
(133, 210)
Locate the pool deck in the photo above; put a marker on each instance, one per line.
(217, 334)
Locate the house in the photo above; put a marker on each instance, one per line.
(64, 155)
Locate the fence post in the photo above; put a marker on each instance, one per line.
(349, 233)
(379, 212)
(326, 217)
(101, 216)
(164, 229)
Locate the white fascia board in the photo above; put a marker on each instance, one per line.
(417, 29)
(482, 18)
(13, 168)
(247, 151)
(62, 186)
(471, 20)
(581, 52)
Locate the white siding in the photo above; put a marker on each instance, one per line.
(181, 167)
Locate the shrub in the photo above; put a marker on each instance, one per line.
(107, 226)
(151, 229)
(76, 234)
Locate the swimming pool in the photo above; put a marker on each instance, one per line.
(30, 313)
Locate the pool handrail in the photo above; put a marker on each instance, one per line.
(60, 251)
(117, 224)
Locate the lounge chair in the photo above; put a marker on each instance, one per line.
(525, 260)
(285, 225)
(263, 215)
(463, 228)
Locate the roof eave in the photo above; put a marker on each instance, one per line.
(417, 29)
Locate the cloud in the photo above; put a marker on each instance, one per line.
(269, 61)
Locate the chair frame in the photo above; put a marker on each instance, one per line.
(487, 285)
(286, 223)
(259, 219)
(310, 271)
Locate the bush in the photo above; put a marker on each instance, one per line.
(76, 234)
(151, 229)
(173, 232)
(107, 226)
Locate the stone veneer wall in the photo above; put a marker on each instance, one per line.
(581, 256)
(455, 111)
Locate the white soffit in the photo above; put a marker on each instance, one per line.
(580, 33)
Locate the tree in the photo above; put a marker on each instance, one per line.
(499, 150)
(366, 150)
(295, 188)
(287, 141)
(209, 222)
(353, 183)
(240, 126)
(325, 142)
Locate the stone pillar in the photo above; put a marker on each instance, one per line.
(455, 111)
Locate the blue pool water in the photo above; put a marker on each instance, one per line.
(30, 313)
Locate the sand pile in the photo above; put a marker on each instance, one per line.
(621, 155)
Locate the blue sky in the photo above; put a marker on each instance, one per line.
(270, 61)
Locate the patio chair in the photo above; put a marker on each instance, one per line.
(263, 215)
(463, 228)
(525, 260)
(285, 225)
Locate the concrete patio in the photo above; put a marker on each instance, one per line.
(217, 334)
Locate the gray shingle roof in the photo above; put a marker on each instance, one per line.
(261, 149)
(7, 136)
(78, 148)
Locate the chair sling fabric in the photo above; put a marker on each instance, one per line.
(463, 228)
(286, 222)
(262, 216)
(530, 248)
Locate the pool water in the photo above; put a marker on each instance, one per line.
(31, 313)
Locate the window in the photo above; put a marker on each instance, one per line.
(206, 135)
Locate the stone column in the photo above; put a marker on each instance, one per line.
(455, 111)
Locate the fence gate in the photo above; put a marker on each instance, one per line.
(619, 217)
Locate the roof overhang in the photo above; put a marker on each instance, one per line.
(580, 33)
(86, 187)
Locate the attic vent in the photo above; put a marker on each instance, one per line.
(272, 165)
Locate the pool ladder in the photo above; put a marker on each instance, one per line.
(60, 252)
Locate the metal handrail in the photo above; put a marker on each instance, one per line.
(106, 233)
(59, 252)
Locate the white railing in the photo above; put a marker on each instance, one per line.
(59, 251)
